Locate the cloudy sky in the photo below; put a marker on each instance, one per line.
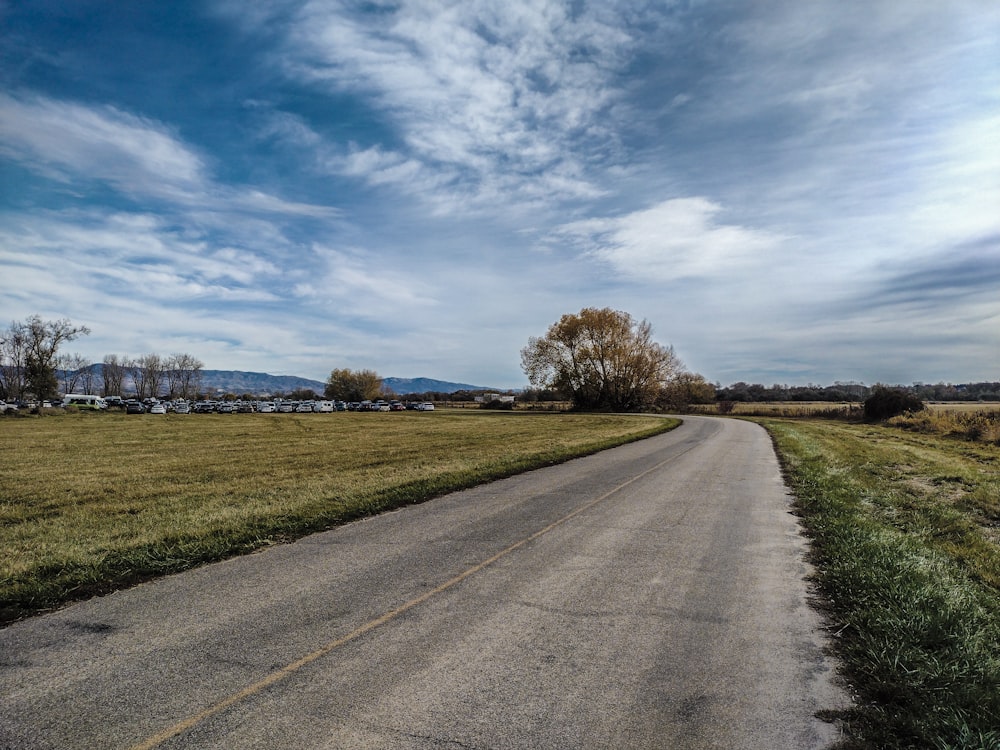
(788, 191)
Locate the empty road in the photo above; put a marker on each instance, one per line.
(650, 596)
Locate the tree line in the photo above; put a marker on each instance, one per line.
(31, 366)
(853, 392)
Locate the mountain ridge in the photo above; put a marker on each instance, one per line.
(259, 383)
(263, 383)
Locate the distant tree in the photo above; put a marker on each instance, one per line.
(13, 357)
(148, 374)
(183, 375)
(885, 403)
(88, 379)
(72, 368)
(684, 389)
(30, 351)
(351, 385)
(113, 371)
(602, 359)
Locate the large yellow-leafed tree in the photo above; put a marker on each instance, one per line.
(350, 385)
(601, 359)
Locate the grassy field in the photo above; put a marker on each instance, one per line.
(92, 502)
(906, 539)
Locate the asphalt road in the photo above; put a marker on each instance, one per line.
(651, 596)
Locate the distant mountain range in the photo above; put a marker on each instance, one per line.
(237, 381)
(262, 383)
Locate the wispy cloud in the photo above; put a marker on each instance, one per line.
(672, 240)
(140, 158)
(495, 100)
(68, 140)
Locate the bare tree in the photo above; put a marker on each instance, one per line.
(113, 371)
(88, 379)
(601, 359)
(72, 368)
(148, 375)
(184, 375)
(13, 357)
(30, 353)
(135, 374)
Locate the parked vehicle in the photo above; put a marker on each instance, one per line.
(266, 407)
(84, 401)
(323, 406)
(182, 407)
(225, 407)
(426, 406)
(157, 409)
(134, 407)
(304, 407)
(286, 407)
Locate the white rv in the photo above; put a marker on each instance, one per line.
(84, 401)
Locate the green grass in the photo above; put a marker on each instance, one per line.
(905, 539)
(93, 502)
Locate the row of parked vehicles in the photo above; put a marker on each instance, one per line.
(155, 406)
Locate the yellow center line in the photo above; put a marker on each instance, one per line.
(291, 668)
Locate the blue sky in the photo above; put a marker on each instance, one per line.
(789, 192)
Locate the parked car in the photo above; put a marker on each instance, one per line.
(286, 407)
(225, 407)
(134, 407)
(157, 409)
(266, 407)
(182, 407)
(425, 406)
(305, 406)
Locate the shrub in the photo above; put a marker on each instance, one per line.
(885, 403)
(725, 407)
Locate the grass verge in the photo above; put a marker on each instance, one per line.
(93, 502)
(905, 539)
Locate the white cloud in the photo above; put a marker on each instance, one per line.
(488, 97)
(141, 158)
(356, 284)
(103, 143)
(80, 260)
(672, 240)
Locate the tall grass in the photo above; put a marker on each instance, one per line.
(977, 425)
(92, 502)
(906, 549)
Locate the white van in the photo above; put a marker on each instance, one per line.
(323, 406)
(84, 401)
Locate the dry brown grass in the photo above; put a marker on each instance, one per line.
(976, 422)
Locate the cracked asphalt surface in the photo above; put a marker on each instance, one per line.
(650, 596)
